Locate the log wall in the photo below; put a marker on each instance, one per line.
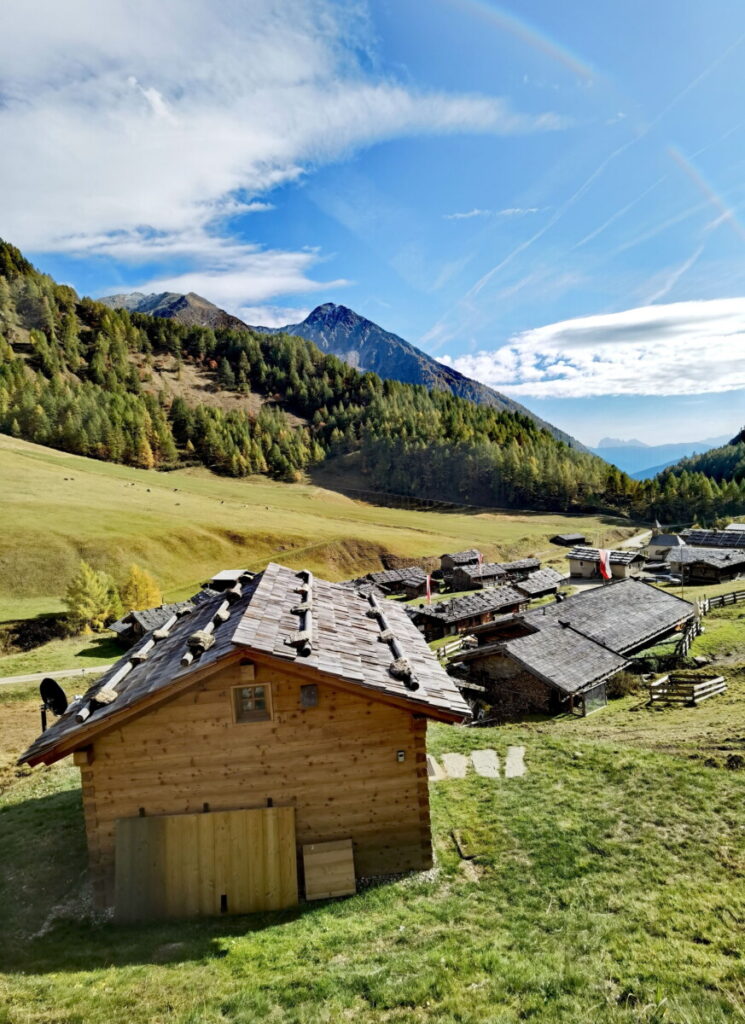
(335, 763)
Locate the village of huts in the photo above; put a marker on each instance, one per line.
(279, 720)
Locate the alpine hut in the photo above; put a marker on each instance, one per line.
(449, 562)
(558, 657)
(541, 583)
(461, 614)
(707, 565)
(285, 717)
(585, 562)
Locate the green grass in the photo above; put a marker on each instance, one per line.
(606, 887)
(64, 507)
(73, 652)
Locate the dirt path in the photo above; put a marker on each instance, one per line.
(67, 673)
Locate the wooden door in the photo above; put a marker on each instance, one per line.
(187, 865)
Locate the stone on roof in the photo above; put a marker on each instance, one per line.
(326, 627)
(411, 575)
(488, 569)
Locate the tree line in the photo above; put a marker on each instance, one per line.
(79, 376)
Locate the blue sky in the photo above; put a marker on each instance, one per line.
(549, 197)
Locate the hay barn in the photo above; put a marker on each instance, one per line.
(279, 725)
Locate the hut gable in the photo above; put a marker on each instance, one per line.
(458, 558)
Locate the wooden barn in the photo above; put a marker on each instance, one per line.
(275, 733)
(541, 583)
(409, 582)
(707, 565)
(521, 568)
(456, 558)
(569, 540)
(461, 614)
(559, 657)
(476, 577)
(585, 562)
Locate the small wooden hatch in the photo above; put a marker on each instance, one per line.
(329, 869)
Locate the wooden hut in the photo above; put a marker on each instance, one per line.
(559, 657)
(521, 568)
(707, 565)
(541, 583)
(461, 614)
(283, 715)
(457, 558)
(476, 577)
(409, 582)
(569, 540)
(585, 562)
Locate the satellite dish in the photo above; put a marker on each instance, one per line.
(53, 696)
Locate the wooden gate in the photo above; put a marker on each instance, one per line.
(185, 865)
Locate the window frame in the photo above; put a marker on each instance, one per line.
(251, 717)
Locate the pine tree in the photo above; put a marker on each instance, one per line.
(140, 590)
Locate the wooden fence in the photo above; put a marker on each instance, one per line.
(449, 650)
(672, 689)
(721, 601)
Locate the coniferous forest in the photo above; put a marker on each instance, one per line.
(78, 376)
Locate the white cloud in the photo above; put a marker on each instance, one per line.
(510, 211)
(139, 125)
(684, 348)
(272, 316)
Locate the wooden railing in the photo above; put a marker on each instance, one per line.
(672, 689)
(692, 630)
(447, 651)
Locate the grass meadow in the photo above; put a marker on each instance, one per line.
(606, 886)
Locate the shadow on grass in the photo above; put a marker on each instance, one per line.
(102, 647)
(47, 923)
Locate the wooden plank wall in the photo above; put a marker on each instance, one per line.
(186, 865)
(336, 764)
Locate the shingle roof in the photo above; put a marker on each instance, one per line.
(715, 538)
(718, 558)
(667, 540)
(284, 614)
(463, 557)
(564, 658)
(521, 565)
(477, 603)
(486, 569)
(585, 638)
(616, 557)
(568, 538)
(412, 575)
(621, 615)
(537, 582)
(153, 618)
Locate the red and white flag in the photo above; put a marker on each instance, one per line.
(604, 563)
(480, 557)
(429, 589)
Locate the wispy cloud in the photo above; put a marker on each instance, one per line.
(140, 134)
(684, 348)
(271, 316)
(510, 211)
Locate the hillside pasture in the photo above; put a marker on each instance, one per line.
(185, 525)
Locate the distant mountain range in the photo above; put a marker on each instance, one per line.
(340, 331)
(643, 461)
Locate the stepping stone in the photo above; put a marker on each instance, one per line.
(434, 771)
(455, 765)
(514, 766)
(486, 763)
